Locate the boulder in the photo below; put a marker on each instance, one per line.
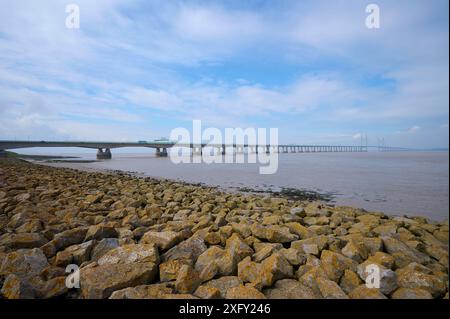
(309, 277)
(395, 246)
(224, 283)
(386, 229)
(53, 288)
(154, 291)
(362, 292)
(31, 226)
(411, 278)
(372, 244)
(15, 287)
(169, 270)
(164, 240)
(289, 289)
(24, 263)
(188, 280)
(387, 278)
(279, 234)
(105, 245)
(382, 259)
(321, 220)
(189, 249)
(273, 233)
(212, 238)
(101, 281)
(274, 268)
(311, 245)
(207, 292)
(264, 250)
(94, 198)
(238, 247)
(293, 256)
(335, 264)
(131, 253)
(411, 293)
(243, 292)
(355, 250)
(349, 281)
(249, 271)
(99, 232)
(329, 289)
(64, 239)
(300, 230)
(75, 254)
(179, 296)
(23, 240)
(226, 260)
(243, 230)
(209, 271)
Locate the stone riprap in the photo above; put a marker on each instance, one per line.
(146, 238)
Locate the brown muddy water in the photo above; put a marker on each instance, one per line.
(403, 183)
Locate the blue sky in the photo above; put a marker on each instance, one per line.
(136, 69)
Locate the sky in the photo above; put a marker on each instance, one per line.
(135, 70)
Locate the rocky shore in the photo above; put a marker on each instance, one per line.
(145, 238)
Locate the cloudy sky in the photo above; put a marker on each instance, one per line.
(136, 69)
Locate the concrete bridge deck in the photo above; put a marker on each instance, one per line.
(104, 148)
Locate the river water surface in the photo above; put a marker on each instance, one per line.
(403, 183)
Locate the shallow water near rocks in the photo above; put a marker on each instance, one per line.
(406, 183)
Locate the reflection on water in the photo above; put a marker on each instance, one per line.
(395, 183)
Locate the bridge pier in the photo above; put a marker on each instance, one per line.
(104, 154)
(161, 153)
(197, 150)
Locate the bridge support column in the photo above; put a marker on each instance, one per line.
(197, 150)
(161, 153)
(104, 154)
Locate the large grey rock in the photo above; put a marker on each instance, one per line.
(224, 283)
(24, 263)
(23, 240)
(154, 291)
(101, 281)
(189, 249)
(131, 253)
(289, 289)
(163, 239)
(103, 247)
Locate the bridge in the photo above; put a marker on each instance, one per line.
(104, 148)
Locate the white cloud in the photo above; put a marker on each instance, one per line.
(414, 129)
(216, 24)
(156, 99)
